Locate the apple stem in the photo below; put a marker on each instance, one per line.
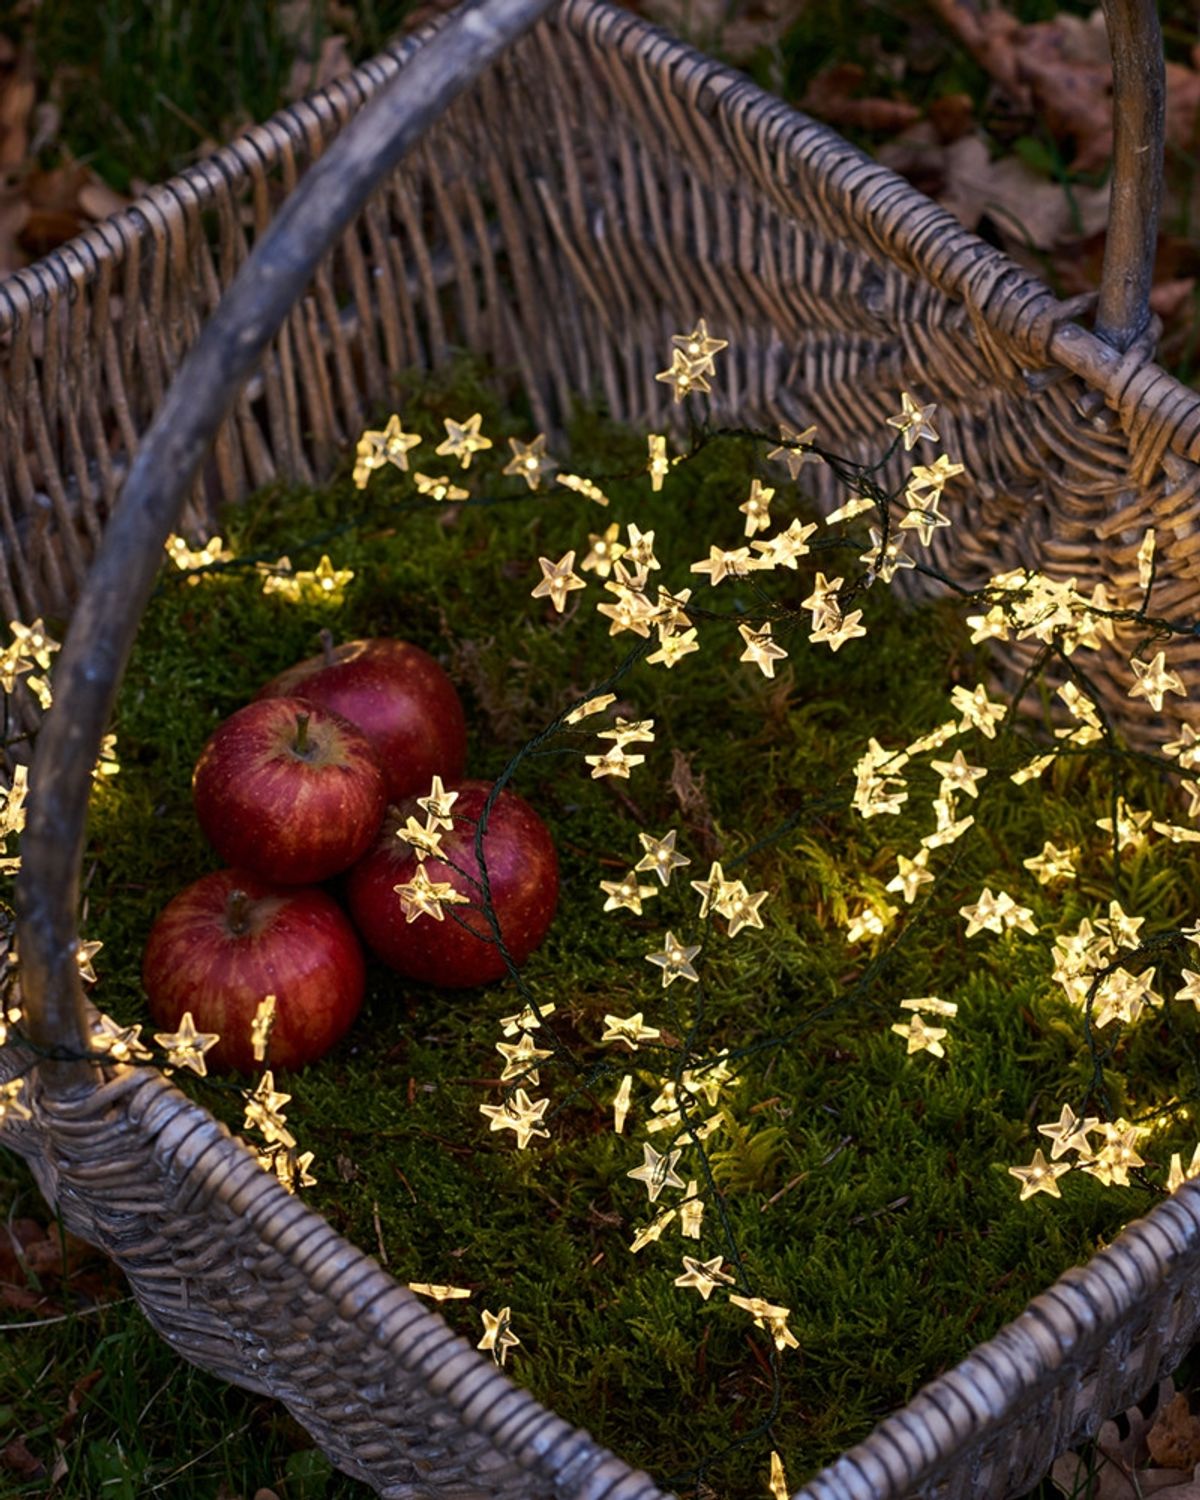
(326, 639)
(301, 745)
(238, 912)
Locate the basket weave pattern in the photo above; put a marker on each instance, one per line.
(644, 184)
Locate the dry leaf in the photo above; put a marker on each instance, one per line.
(1027, 208)
(1119, 1465)
(17, 1459)
(831, 96)
(1174, 1439)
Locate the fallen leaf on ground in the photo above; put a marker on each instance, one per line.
(832, 96)
(1123, 1464)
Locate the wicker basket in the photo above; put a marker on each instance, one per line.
(593, 186)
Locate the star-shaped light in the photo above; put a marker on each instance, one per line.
(698, 347)
(1052, 864)
(715, 892)
(422, 897)
(436, 805)
(1176, 1176)
(439, 487)
(640, 550)
(629, 1029)
(36, 643)
(615, 761)
(661, 855)
(558, 579)
(390, 445)
(921, 1038)
(782, 549)
(12, 1101)
(652, 1231)
(723, 563)
(958, 776)
(1186, 749)
(621, 1101)
(836, 634)
(675, 960)
(977, 710)
(704, 1275)
(656, 1171)
(933, 477)
(13, 665)
(530, 461)
(913, 422)
(987, 914)
(793, 450)
(741, 907)
(1040, 1176)
(1130, 826)
(626, 894)
(691, 1212)
(264, 1111)
(498, 1336)
(603, 551)
(84, 953)
(1145, 559)
(107, 763)
(1069, 1133)
(422, 838)
(658, 465)
(582, 485)
(520, 1114)
(1120, 927)
(823, 602)
(521, 1059)
(886, 562)
(324, 582)
(930, 1005)
(590, 706)
(186, 1047)
(777, 1484)
(911, 875)
(683, 377)
(1190, 989)
(923, 515)
(528, 1019)
(463, 439)
(761, 649)
(122, 1043)
(629, 731)
(1032, 770)
(773, 1319)
(757, 508)
(673, 647)
(261, 1025)
(1154, 681)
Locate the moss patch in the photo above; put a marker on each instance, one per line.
(864, 1189)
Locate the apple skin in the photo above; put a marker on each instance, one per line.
(395, 694)
(291, 942)
(292, 816)
(522, 871)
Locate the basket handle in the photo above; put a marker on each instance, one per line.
(1139, 104)
(120, 580)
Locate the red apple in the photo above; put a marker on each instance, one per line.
(522, 870)
(289, 790)
(229, 940)
(398, 696)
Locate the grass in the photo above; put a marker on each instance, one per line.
(866, 1190)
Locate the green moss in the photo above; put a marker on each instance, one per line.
(864, 1189)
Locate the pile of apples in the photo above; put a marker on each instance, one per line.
(312, 783)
